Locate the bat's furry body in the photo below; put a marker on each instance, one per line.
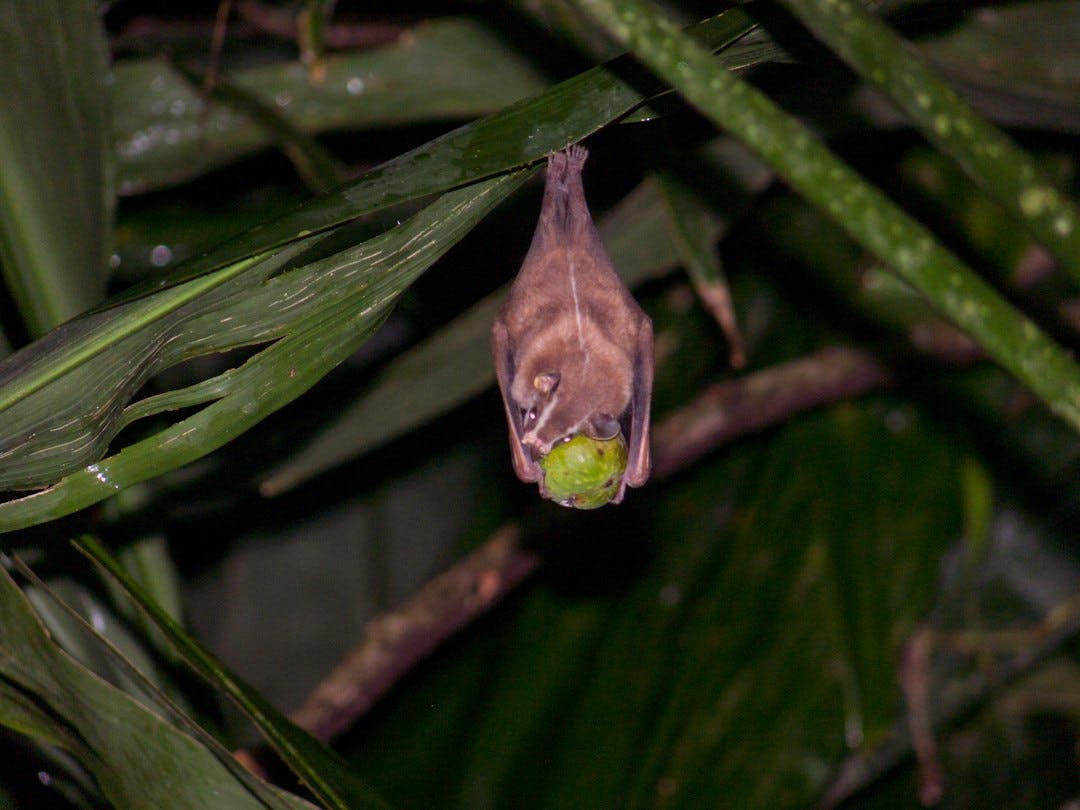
(573, 350)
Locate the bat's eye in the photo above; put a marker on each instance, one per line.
(530, 417)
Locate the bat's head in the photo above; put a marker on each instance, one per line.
(560, 402)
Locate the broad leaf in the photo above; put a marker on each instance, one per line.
(517, 135)
(1033, 79)
(151, 764)
(166, 132)
(56, 186)
(323, 771)
(321, 311)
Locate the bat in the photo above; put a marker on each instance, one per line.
(573, 351)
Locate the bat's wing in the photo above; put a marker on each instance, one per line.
(527, 470)
(639, 464)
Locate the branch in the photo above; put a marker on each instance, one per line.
(1015, 652)
(252, 20)
(339, 36)
(396, 640)
(747, 404)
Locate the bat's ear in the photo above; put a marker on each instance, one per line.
(546, 382)
(604, 427)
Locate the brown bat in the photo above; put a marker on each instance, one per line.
(573, 351)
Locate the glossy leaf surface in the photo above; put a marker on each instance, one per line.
(358, 287)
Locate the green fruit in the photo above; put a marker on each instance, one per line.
(583, 472)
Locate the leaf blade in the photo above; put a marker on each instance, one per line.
(989, 157)
(323, 771)
(152, 764)
(57, 158)
(501, 142)
(315, 344)
(869, 217)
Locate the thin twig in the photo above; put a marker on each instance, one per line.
(396, 640)
(915, 682)
(1016, 651)
(217, 43)
(339, 36)
(747, 404)
(253, 20)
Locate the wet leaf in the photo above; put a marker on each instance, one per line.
(519, 134)
(167, 132)
(318, 314)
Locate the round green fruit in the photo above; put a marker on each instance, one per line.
(583, 472)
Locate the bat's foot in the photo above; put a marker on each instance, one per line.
(570, 161)
(576, 155)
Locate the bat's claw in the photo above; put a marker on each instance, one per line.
(571, 160)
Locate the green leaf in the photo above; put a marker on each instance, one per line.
(518, 135)
(996, 164)
(150, 764)
(56, 187)
(910, 250)
(322, 311)
(22, 713)
(78, 621)
(324, 772)
(314, 163)
(453, 68)
(1033, 77)
(79, 377)
(691, 231)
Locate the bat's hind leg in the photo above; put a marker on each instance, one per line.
(564, 208)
